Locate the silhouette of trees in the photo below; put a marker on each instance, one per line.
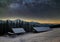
(1, 28)
(6, 26)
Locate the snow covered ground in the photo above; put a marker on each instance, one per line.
(50, 36)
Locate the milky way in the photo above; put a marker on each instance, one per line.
(46, 10)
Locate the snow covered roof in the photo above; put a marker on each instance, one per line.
(41, 28)
(18, 30)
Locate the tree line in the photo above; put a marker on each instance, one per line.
(6, 26)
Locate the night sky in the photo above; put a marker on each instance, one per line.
(42, 13)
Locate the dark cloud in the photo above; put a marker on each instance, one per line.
(39, 11)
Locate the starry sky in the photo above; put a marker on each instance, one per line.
(42, 13)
